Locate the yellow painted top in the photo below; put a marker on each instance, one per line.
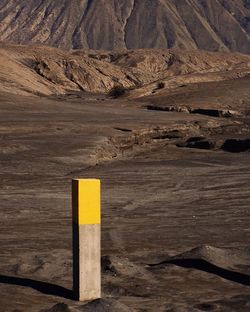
(88, 201)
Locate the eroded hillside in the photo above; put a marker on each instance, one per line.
(45, 71)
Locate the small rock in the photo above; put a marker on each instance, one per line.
(107, 266)
(60, 307)
(105, 305)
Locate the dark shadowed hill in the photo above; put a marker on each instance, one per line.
(214, 25)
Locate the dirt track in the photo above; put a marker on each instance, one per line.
(158, 201)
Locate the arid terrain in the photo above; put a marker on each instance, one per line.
(214, 25)
(41, 70)
(172, 153)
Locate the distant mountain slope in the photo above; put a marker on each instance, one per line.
(214, 25)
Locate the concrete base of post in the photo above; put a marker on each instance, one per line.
(86, 262)
(89, 266)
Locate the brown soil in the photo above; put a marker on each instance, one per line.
(175, 219)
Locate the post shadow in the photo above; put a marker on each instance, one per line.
(43, 287)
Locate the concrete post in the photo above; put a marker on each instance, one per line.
(86, 239)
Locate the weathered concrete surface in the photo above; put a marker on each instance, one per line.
(90, 258)
(158, 201)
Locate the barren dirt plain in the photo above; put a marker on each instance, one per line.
(174, 166)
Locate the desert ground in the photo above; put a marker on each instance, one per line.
(174, 167)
